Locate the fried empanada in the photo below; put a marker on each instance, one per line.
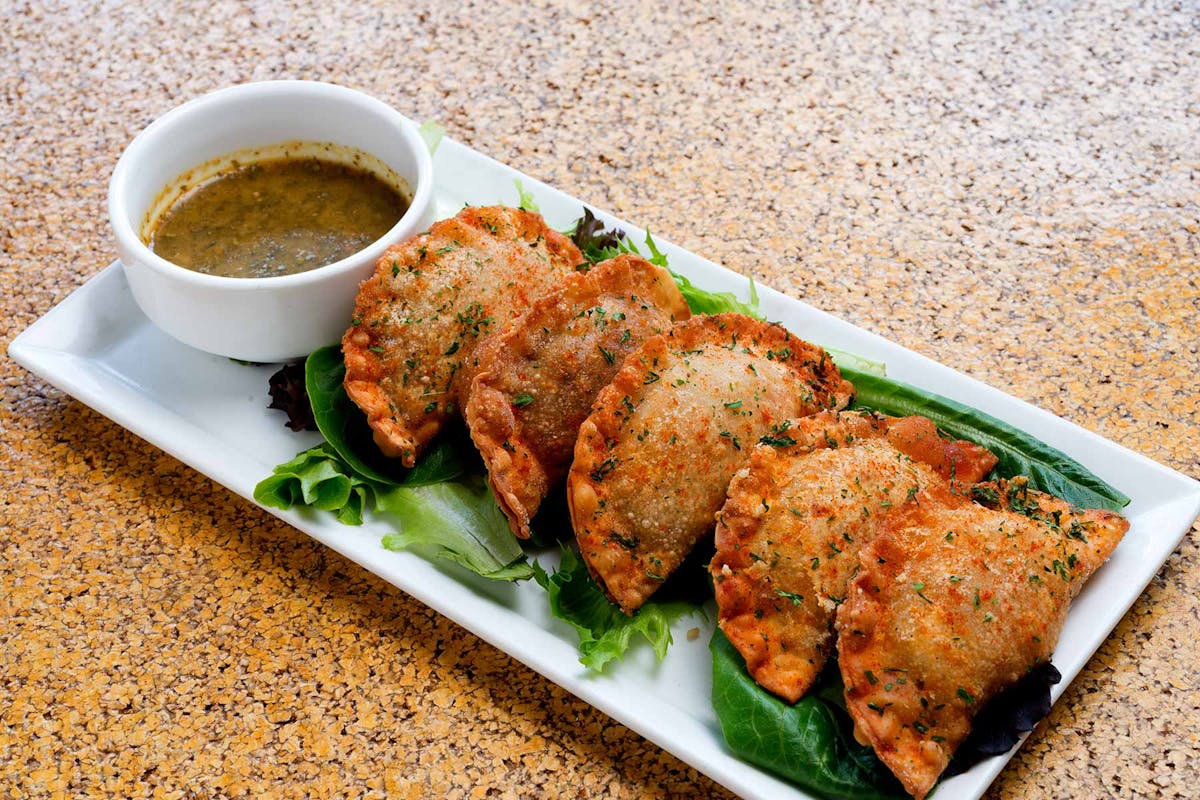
(953, 602)
(794, 519)
(537, 381)
(654, 458)
(1090, 551)
(409, 349)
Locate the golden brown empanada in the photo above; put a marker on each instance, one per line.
(537, 381)
(953, 602)
(795, 517)
(654, 458)
(417, 320)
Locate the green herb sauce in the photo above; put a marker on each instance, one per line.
(277, 217)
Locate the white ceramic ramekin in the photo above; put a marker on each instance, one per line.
(259, 319)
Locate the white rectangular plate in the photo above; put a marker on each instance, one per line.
(210, 413)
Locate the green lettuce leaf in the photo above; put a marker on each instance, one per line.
(525, 200)
(810, 743)
(1048, 469)
(319, 478)
(459, 521)
(847, 361)
(456, 520)
(702, 301)
(605, 632)
(347, 475)
(432, 134)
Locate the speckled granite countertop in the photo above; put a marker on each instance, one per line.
(1013, 191)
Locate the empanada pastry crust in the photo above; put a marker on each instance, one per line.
(795, 517)
(537, 381)
(409, 350)
(654, 458)
(953, 602)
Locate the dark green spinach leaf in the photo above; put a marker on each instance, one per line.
(809, 743)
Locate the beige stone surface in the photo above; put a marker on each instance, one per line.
(1011, 189)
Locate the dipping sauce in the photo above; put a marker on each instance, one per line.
(277, 216)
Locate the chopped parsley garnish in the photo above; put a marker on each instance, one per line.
(796, 599)
(606, 466)
(985, 495)
(629, 543)
(776, 441)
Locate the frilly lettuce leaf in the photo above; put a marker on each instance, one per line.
(594, 241)
(319, 478)
(346, 474)
(525, 200)
(1000, 724)
(605, 632)
(701, 301)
